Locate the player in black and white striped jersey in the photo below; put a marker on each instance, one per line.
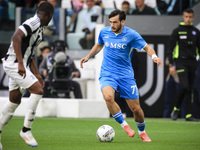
(17, 64)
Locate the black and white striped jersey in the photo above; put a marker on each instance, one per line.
(33, 36)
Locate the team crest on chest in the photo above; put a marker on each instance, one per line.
(124, 39)
(106, 44)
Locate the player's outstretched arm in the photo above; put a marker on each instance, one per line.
(95, 49)
(151, 52)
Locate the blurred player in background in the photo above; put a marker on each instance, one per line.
(117, 72)
(17, 63)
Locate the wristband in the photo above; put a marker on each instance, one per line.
(154, 56)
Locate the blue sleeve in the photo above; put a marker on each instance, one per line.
(100, 39)
(138, 42)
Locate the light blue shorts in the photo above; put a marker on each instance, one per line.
(126, 86)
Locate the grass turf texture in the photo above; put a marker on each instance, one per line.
(80, 134)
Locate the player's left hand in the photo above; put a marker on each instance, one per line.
(158, 61)
(21, 70)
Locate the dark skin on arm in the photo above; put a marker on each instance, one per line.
(17, 39)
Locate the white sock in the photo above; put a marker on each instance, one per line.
(31, 110)
(7, 113)
(140, 132)
(123, 124)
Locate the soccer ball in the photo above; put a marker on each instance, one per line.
(105, 133)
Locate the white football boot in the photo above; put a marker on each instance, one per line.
(28, 138)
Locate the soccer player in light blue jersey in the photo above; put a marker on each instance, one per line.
(119, 42)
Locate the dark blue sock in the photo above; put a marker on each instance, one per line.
(141, 126)
(119, 117)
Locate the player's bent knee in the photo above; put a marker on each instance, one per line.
(40, 91)
(15, 96)
(136, 109)
(109, 99)
(36, 89)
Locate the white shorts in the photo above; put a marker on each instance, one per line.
(15, 80)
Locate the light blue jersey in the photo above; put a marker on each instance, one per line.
(116, 68)
(118, 50)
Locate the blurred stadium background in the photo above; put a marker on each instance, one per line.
(154, 29)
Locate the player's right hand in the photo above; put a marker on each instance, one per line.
(158, 61)
(21, 70)
(83, 60)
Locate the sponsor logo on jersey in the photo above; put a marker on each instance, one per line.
(106, 44)
(116, 45)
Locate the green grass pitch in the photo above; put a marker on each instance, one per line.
(80, 134)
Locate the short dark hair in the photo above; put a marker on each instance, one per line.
(45, 47)
(121, 13)
(38, 1)
(126, 3)
(46, 7)
(189, 10)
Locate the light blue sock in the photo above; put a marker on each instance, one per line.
(119, 117)
(141, 126)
